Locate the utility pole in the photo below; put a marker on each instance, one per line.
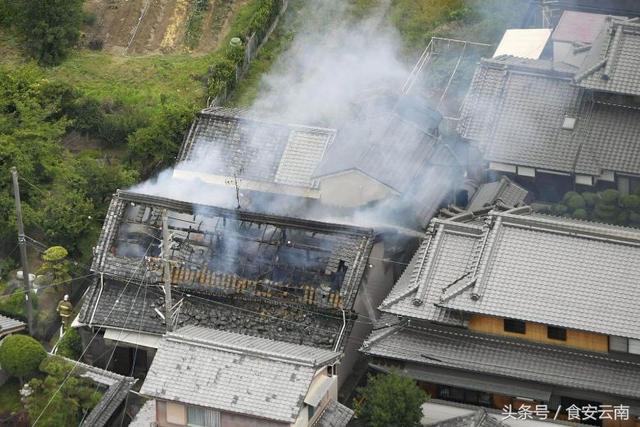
(22, 241)
(167, 270)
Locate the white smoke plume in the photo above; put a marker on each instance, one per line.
(323, 79)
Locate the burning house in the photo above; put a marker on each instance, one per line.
(269, 276)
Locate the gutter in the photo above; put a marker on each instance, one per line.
(95, 308)
(344, 326)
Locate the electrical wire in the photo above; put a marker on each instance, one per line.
(87, 347)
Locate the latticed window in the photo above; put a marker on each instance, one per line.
(202, 417)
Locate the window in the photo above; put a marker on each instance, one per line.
(554, 333)
(311, 410)
(202, 417)
(176, 413)
(618, 344)
(515, 326)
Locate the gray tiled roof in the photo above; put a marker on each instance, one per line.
(516, 108)
(109, 403)
(479, 418)
(612, 64)
(503, 357)
(254, 149)
(577, 272)
(117, 388)
(235, 373)
(504, 191)
(8, 325)
(335, 414)
(130, 307)
(398, 149)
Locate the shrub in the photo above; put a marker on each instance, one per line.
(569, 195)
(21, 355)
(559, 209)
(391, 400)
(222, 75)
(630, 201)
(580, 214)
(589, 198)
(70, 345)
(575, 202)
(610, 196)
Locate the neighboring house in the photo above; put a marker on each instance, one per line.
(390, 157)
(515, 307)
(9, 326)
(282, 278)
(114, 388)
(204, 377)
(557, 124)
(393, 157)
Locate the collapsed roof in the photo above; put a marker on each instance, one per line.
(224, 252)
(263, 275)
(577, 272)
(529, 113)
(235, 373)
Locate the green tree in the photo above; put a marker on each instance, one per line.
(49, 27)
(55, 265)
(65, 393)
(21, 355)
(157, 144)
(390, 400)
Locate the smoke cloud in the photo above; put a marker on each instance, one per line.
(335, 72)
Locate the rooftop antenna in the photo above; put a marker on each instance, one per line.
(237, 186)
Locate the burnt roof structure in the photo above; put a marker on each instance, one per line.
(280, 277)
(530, 113)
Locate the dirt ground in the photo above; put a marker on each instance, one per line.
(155, 26)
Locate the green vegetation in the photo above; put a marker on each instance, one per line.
(48, 28)
(377, 409)
(55, 265)
(607, 206)
(20, 355)
(70, 345)
(10, 397)
(67, 396)
(255, 18)
(194, 23)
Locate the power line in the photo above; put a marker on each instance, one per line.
(88, 345)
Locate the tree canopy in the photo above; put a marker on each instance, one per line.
(390, 400)
(61, 396)
(21, 355)
(50, 28)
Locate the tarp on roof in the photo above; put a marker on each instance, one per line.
(523, 43)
